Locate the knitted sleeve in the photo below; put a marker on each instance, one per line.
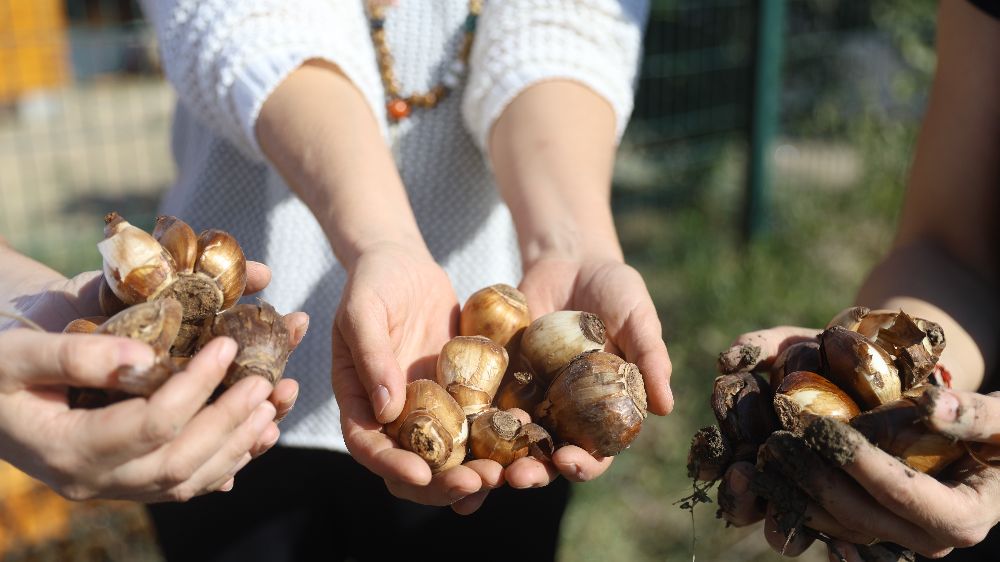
(225, 57)
(521, 42)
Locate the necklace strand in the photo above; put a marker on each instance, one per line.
(397, 105)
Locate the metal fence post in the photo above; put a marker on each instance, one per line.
(764, 115)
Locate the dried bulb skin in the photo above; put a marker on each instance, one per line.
(537, 440)
(262, 337)
(874, 321)
(432, 425)
(859, 367)
(85, 325)
(710, 454)
(804, 394)
(898, 428)
(849, 318)
(136, 267)
(493, 436)
(471, 368)
(179, 240)
(520, 390)
(109, 302)
(911, 347)
(553, 340)
(802, 356)
(155, 323)
(221, 259)
(597, 402)
(743, 406)
(498, 312)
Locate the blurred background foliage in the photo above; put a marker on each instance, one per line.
(854, 79)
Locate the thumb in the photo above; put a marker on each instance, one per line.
(967, 416)
(365, 332)
(759, 349)
(32, 358)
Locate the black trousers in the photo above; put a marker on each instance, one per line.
(294, 505)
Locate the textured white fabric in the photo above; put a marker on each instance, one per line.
(224, 57)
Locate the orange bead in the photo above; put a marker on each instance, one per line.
(398, 109)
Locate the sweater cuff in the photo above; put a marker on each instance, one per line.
(254, 83)
(596, 43)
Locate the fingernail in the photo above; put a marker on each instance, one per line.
(380, 400)
(228, 485)
(259, 392)
(738, 482)
(301, 332)
(136, 354)
(456, 494)
(262, 416)
(226, 352)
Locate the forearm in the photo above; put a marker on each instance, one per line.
(320, 134)
(943, 265)
(927, 282)
(21, 278)
(552, 151)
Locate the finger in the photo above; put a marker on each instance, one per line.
(297, 324)
(205, 455)
(641, 340)
(363, 434)
(363, 325)
(529, 472)
(470, 504)
(135, 427)
(491, 473)
(284, 395)
(819, 519)
(737, 504)
(578, 465)
(843, 551)
(268, 438)
(937, 511)
(82, 360)
(445, 488)
(231, 455)
(258, 277)
(965, 416)
(759, 349)
(793, 544)
(841, 496)
(212, 443)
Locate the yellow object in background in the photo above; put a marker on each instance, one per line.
(33, 47)
(30, 513)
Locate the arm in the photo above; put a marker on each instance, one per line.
(559, 87)
(944, 262)
(166, 447)
(943, 267)
(294, 84)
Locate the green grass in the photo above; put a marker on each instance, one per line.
(708, 288)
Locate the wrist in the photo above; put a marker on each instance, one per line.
(584, 235)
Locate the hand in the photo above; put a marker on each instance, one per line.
(155, 449)
(398, 309)
(874, 496)
(617, 294)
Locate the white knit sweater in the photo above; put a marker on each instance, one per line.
(224, 57)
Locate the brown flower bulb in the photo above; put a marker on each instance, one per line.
(432, 425)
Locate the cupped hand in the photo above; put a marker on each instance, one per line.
(617, 294)
(397, 311)
(168, 447)
(103, 461)
(870, 497)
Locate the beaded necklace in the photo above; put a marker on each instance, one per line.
(397, 105)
